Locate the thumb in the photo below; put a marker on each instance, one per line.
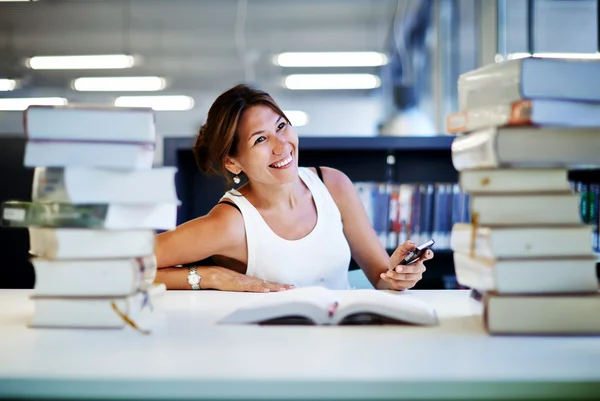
(405, 248)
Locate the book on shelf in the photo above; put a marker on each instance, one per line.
(542, 275)
(514, 180)
(81, 185)
(94, 312)
(106, 216)
(538, 314)
(521, 242)
(528, 78)
(539, 147)
(84, 243)
(320, 306)
(93, 277)
(526, 209)
(540, 112)
(89, 123)
(115, 155)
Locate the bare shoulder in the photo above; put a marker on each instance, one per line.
(227, 222)
(338, 183)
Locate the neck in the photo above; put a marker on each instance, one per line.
(275, 197)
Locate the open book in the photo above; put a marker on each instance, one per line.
(318, 305)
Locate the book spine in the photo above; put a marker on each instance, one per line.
(49, 185)
(28, 214)
(517, 113)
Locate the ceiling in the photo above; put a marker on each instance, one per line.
(194, 44)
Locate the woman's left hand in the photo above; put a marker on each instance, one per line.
(403, 277)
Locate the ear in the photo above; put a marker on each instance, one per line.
(232, 166)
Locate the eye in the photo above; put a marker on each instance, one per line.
(260, 139)
(281, 125)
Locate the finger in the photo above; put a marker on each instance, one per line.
(273, 286)
(413, 268)
(404, 276)
(405, 247)
(427, 255)
(397, 285)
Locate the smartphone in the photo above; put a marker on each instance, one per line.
(416, 253)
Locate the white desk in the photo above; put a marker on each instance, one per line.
(189, 356)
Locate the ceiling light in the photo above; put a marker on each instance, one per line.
(158, 103)
(297, 118)
(109, 61)
(19, 104)
(7, 84)
(331, 81)
(119, 84)
(332, 59)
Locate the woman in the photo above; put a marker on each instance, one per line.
(287, 226)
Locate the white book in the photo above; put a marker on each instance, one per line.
(94, 312)
(318, 305)
(122, 156)
(533, 276)
(538, 314)
(521, 242)
(514, 180)
(526, 147)
(160, 216)
(89, 123)
(530, 78)
(542, 112)
(526, 210)
(81, 185)
(93, 277)
(85, 243)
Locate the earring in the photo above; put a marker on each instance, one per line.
(236, 179)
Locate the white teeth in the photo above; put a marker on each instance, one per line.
(282, 163)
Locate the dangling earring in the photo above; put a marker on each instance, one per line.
(236, 179)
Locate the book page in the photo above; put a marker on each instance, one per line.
(312, 303)
(374, 306)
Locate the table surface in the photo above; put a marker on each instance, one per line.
(188, 355)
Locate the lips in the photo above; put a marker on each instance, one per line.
(283, 162)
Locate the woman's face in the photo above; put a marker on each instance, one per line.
(267, 149)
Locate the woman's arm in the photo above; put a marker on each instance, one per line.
(365, 246)
(220, 232)
(217, 278)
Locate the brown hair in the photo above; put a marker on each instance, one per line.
(218, 137)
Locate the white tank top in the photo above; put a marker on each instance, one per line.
(321, 258)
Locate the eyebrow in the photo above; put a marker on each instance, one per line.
(260, 132)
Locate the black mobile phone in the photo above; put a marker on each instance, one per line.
(416, 253)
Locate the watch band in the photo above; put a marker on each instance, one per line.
(193, 278)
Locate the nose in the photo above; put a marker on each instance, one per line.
(279, 146)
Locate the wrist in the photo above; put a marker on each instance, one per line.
(209, 276)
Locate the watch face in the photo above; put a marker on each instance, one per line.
(194, 280)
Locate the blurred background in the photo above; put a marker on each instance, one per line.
(404, 85)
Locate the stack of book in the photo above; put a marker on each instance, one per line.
(527, 252)
(95, 203)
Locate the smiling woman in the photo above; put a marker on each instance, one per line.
(287, 226)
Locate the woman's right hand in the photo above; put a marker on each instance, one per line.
(228, 280)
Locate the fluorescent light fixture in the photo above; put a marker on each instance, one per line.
(7, 85)
(297, 118)
(514, 56)
(158, 103)
(19, 104)
(108, 61)
(331, 59)
(331, 81)
(119, 84)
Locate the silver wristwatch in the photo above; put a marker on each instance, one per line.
(194, 278)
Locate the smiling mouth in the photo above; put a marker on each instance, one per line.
(283, 163)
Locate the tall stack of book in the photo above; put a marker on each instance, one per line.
(96, 201)
(527, 253)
